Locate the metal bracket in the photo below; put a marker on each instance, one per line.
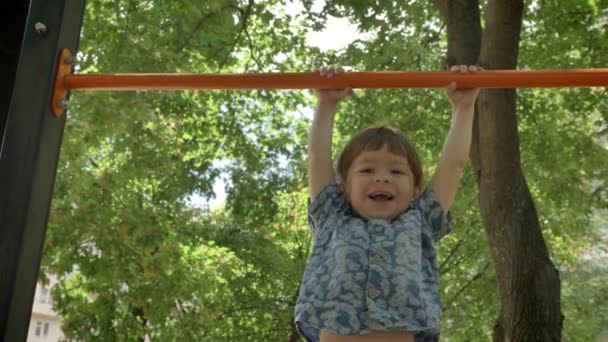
(59, 102)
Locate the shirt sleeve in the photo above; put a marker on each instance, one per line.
(328, 202)
(439, 221)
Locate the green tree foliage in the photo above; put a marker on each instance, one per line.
(136, 257)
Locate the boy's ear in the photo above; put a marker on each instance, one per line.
(341, 187)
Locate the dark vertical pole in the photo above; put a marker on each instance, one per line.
(30, 150)
(11, 36)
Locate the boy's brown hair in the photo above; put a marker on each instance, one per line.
(374, 138)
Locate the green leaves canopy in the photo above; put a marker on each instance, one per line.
(136, 257)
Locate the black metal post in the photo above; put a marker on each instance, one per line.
(29, 153)
(11, 36)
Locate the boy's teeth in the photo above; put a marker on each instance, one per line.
(380, 196)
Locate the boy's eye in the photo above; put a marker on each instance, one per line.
(368, 170)
(397, 172)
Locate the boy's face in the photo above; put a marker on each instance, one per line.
(380, 184)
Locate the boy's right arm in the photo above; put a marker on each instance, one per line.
(320, 166)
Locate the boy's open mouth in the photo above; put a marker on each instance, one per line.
(380, 196)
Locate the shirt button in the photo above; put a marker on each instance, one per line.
(379, 229)
(371, 294)
(376, 258)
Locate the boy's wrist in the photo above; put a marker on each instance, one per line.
(327, 104)
(463, 108)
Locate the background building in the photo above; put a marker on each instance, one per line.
(45, 324)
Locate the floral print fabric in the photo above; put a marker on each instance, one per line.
(367, 275)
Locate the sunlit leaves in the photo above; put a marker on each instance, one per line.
(135, 257)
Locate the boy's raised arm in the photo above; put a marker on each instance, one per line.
(320, 166)
(455, 153)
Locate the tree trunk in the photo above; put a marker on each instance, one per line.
(528, 282)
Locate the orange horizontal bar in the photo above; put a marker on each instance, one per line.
(313, 80)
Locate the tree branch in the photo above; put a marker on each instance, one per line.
(245, 14)
(442, 6)
(201, 21)
(458, 262)
(452, 252)
(599, 134)
(465, 286)
(251, 49)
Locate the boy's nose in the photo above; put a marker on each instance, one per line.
(381, 179)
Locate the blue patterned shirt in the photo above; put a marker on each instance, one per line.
(367, 275)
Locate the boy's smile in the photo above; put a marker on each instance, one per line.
(381, 196)
(380, 184)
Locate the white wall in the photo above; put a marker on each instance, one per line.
(45, 324)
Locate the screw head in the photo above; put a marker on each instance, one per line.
(63, 104)
(41, 28)
(71, 60)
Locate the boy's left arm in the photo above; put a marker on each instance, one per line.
(455, 153)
